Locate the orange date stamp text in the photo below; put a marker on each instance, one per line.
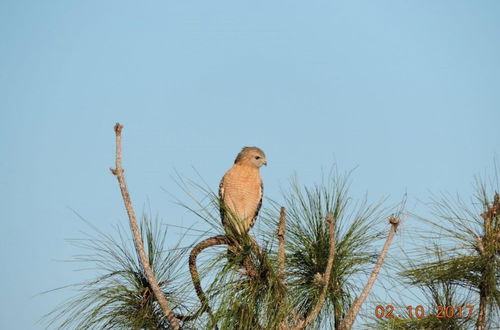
(419, 312)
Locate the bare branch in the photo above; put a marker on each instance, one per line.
(119, 173)
(348, 321)
(281, 248)
(486, 247)
(326, 276)
(483, 302)
(195, 276)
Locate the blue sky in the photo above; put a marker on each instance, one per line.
(407, 91)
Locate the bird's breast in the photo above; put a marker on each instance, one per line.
(242, 192)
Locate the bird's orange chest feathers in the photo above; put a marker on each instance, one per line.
(242, 190)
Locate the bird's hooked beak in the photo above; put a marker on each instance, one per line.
(265, 162)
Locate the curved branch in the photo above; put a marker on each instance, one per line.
(326, 276)
(195, 276)
(118, 172)
(348, 321)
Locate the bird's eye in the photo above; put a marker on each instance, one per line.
(257, 157)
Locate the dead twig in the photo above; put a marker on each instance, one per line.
(486, 246)
(325, 278)
(119, 173)
(348, 321)
(281, 247)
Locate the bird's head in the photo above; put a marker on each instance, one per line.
(252, 156)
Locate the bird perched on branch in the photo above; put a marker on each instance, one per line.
(241, 191)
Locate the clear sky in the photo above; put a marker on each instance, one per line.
(408, 91)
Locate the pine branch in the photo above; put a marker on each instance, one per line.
(326, 276)
(119, 173)
(348, 321)
(195, 276)
(281, 248)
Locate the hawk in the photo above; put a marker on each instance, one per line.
(241, 190)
